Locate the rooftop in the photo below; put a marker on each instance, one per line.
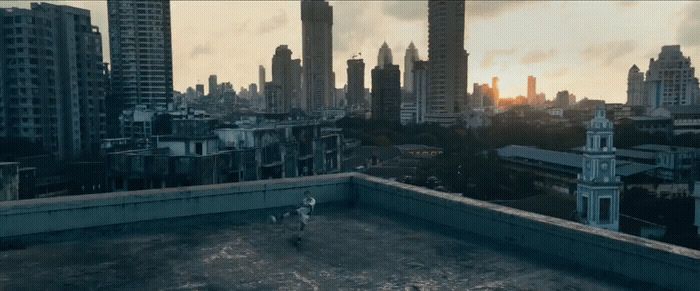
(342, 247)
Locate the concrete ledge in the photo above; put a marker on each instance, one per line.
(629, 256)
(28, 217)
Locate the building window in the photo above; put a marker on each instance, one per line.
(605, 210)
(198, 148)
(603, 142)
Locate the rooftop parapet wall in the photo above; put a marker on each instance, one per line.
(597, 249)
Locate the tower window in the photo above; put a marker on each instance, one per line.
(584, 207)
(603, 142)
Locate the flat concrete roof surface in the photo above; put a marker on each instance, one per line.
(341, 248)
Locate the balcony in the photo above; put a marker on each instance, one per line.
(366, 233)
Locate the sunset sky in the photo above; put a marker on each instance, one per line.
(585, 47)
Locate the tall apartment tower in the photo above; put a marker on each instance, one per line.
(448, 60)
(532, 90)
(355, 95)
(52, 89)
(670, 80)
(213, 86)
(317, 51)
(386, 93)
(495, 90)
(635, 87)
(598, 191)
(384, 57)
(420, 89)
(283, 75)
(261, 80)
(408, 60)
(141, 51)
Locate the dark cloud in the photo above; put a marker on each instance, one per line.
(689, 30)
(491, 56)
(406, 10)
(538, 56)
(201, 50)
(558, 73)
(272, 23)
(351, 30)
(609, 51)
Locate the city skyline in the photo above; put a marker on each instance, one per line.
(535, 41)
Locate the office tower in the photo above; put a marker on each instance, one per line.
(420, 89)
(384, 57)
(317, 51)
(386, 93)
(408, 60)
(296, 97)
(598, 191)
(52, 78)
(141, 52)
(635, 87)
(261, 80)
(532, 90)
(252, 90)
(355, 95)
(213, 86)
(671, 80)
(273, 98)
(495, 91)
(448, 60)
(562, 99)
(199, 88)
(286, 74)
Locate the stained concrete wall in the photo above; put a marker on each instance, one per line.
(35, 216)
(601, 250)
(632, 257)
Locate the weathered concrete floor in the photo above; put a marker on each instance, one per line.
(342, 248)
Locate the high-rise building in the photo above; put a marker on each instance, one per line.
(141, 52)
(282, 70)
(297, 71)
(317, 50)
(635, 87)
(274, 102)
(52, 79)
(199, 88)
(420, 89)
(213, 86)
(532, 90)
(355, 96)
(495, 91)
(252, 90)
(598, 191)
(670, 80)
(448, 60)
(261, 80)
(384, 57)
(386, 93)
(408, 60)
(562, 99)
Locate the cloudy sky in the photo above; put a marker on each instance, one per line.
(585, 47)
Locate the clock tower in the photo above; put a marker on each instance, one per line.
(598, 191)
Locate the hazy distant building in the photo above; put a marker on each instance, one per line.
(532, 90)
(317, 50)
(384, 57)
(283, 74)
(448, 61)
(670, 80)
(199, 89)
(355, 95)
(386, 93)
(482, 96)
(213, 86)
(52, 76)
(598, 191)
(495, 91)
(635, 87)
(252, 90)
(562, 99)
(274, 102)
(297, 84)
(409, 59)
(141, 52)
(421, 89)
(261, 80)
